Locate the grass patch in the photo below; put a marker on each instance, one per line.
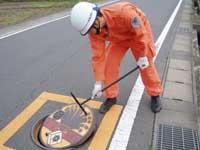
(150, 147)
(16, 12)
(51, 4)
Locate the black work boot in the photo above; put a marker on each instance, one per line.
(107, 105)
(156, 105)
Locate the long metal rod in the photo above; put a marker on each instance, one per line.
(80, 105)
(128, 73)
(114, 82)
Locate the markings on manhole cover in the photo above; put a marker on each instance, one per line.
(100, 139)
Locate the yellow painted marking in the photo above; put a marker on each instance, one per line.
(106, 128)
(5, 148)
(69, 99)
(20, 120)
(102, 136)
(56, 97)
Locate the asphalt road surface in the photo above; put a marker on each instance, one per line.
(55, 58)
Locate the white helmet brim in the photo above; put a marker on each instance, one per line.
(90, 23)
(83, 16)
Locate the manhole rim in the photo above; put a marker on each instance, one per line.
(38, 125)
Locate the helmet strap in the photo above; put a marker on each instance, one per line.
(97, 29)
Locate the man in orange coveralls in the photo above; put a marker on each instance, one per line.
(124, 26)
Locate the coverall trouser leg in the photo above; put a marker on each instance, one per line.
(115, 53)
(114, 57)
(149, 75)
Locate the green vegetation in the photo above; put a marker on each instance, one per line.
(150, 147)
(35, 0)
(16, 11)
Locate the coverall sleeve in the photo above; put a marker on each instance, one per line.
(97, 45)
(141, 38)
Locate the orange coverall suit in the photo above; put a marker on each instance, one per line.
(127, 27)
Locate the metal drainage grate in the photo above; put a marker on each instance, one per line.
(176, 138)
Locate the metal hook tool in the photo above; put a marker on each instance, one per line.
(102, 90)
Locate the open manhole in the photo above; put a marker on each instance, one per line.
(66, 128)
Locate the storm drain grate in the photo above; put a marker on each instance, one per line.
(176, 138)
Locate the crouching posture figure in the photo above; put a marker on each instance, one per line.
(112, 31)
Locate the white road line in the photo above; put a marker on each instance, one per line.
(29, 28)
(44, 23)
(123, 130)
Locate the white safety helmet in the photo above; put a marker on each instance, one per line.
(83, 16)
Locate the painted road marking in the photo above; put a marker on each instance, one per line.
(126, 121)
(30, 28)
(123, 130)
(100, 139)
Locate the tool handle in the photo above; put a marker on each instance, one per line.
(80, 105)
(114, 82)
(128, 73)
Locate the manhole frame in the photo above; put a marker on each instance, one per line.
(38, 124)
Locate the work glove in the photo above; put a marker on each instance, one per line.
(96, 93)
(143, 62)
